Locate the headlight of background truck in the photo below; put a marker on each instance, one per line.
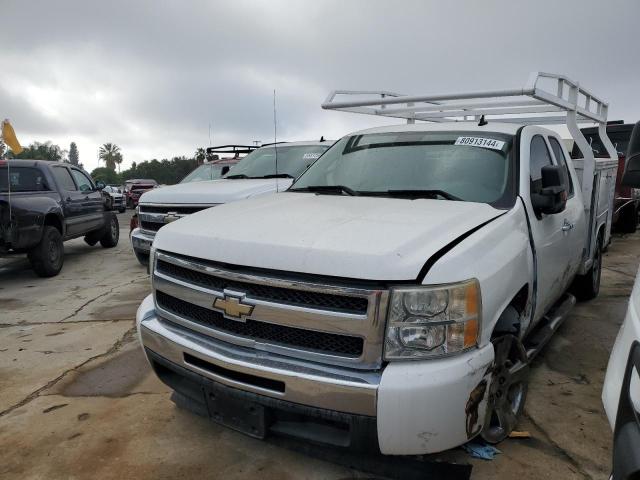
(433, 321)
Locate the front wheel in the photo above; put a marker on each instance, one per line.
(508, 389)
(111, 234)
(48, 256)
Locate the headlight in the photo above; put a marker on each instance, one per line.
(137, 210)
(152, 262)
(432, 321)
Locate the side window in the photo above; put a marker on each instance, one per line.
(539, 157)
(84, 184)
(63, 179)
(562, 161)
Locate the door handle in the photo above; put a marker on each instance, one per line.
(567, 225)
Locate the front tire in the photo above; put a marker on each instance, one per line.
(587, 286)
(111, 234)
(508, 389)
(47, 257)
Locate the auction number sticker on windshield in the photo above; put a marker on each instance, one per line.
(310, 156)
(480, 142)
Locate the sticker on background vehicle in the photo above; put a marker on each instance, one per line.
(480, 142)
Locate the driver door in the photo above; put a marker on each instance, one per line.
(550, 232)
(88, 203)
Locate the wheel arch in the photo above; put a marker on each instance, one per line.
(54, 220)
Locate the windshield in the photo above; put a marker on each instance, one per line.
(22, 179)
(442, 162)
(292, 161)
(204, 172)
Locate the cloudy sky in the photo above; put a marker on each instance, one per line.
(151, 76)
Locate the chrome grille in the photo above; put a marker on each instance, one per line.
(251, 329)
(152, 217)
(303, 319)
(267, 292)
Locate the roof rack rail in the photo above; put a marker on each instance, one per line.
(234, 149)
(546, 99)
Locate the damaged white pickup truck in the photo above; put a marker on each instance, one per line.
(393, 297)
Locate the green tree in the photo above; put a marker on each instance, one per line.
(109, 153)
(118, 160)
(41, 151)
(200, 155)
(74, 156)
(106, 175)
(163, 171)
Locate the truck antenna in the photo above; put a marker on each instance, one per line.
(275, 137)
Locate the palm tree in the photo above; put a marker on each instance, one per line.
(110, 154)
(200, 155)
(118, 160)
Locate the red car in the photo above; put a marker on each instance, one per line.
(134, 188)
(627, 199)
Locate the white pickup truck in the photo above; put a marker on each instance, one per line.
(393, 297)
(256, 174)
(621, 392)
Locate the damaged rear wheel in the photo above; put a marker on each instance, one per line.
(508, 389)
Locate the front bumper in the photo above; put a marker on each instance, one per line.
(417, 407)
(141, 241)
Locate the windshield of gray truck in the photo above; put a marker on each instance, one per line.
(292, 161)
(204, 172)
(469, 166)
(22, 179)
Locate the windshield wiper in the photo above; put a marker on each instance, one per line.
(231, 177)
(416, 194)
(277, 175)
(327, 189)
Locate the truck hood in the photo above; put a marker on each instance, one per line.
(369, 238)
(213, 191)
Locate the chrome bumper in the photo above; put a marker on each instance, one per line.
(306, 383)
(141, 241)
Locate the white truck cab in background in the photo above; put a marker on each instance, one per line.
(256, 174)
(393, 297)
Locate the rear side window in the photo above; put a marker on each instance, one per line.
(22, 179)
(539, 157)
(562, 161)
(63, 179)
(83, 182)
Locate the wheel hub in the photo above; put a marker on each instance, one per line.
(508, 389)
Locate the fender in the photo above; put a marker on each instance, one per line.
(499, 255)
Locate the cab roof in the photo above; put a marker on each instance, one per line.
(507, 128)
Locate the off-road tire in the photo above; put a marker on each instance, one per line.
(111, 233)
(628, 221)
(47, 257)
(587, 286)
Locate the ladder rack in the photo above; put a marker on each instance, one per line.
(546, 99)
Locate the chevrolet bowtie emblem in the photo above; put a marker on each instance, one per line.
(233, 307)
(171, 217)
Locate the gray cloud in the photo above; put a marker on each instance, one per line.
(151, 76)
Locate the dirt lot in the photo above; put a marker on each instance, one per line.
(78, 399)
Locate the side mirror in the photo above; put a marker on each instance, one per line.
(224, 170)
(552, 197)
(631, 176)
(100, 185)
